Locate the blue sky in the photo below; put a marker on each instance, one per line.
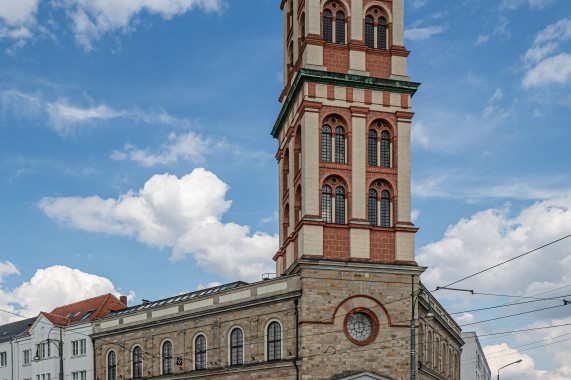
(135, 153)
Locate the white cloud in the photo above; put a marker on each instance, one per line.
(183, 214)
(419, 135)
(6, 269)
(493, 236)
(49, 288)
(188, 146)
(18, 12)
(555, 69)
(544, 62)
(91, 19)
(501, 29)
(210, 285)
(414, 214)
(515, 4)
(417, 34)
(416, 4)
(66, 118)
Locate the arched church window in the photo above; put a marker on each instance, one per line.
(382, 34)
(327, 26)
(385, 149)
(326, 143)
(274, 339)
(340, 145)
(339, 205)
(385, 209)
(167, 357)
(236, 347)
(372, 148)
(370, 31)
(373, 207)
(340, 27)
(326, 207)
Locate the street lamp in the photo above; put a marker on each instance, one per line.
(414, 297)
(59, 345)
(518, 361)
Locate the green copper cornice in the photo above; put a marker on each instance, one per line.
(343, 80)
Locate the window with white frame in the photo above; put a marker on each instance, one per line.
(80, 375)
(27, 356)
(78, 347)
(3, 359)
(46, 350)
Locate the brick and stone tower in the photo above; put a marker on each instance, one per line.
(344, 134)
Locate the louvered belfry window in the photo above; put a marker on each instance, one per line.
(327, 26)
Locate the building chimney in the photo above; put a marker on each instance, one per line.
(123, 299)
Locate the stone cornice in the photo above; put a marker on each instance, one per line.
(344, 80)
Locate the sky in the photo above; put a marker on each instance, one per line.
(136, 156)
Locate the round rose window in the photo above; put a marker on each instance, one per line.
(361, 326)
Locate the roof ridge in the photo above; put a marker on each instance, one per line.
(84, 300)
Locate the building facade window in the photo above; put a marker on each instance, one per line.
(137, 362)
(340, 145)
(200, 352)
(372, 207)
(372, 154)
(167, 357)
(326, 143)
(111, 365)
(385, 209)
(81, 375)
(339, 205)
(385, 149)
(340, 27)
(27, 356)
(3, 359)
(327, 26)
(78, 347)
(379, 145)
(370, 31)
(382, 33)
(236, 347)
(326, 209)
(274, 341)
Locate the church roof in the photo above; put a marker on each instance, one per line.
(178, 298)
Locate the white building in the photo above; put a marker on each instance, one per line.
(7, 334)
(37, 355)
(474, 365)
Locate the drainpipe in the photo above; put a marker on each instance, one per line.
(12, 353)
(296, 302)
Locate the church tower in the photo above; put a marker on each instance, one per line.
(344, 134)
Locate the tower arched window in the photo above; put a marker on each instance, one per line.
(340, 145)
(286, 222)
(340, 27)
(382, 33)
(370, 31)
(137, 362)
(167, 357)
(372, 148)
(200, 352)
(385, 209)
(285, 171)
(373, 207)
(326, 208)
(339, 205)
(385, 149)
(274, 341)
(326, 143)
(236, 347)
(327, 25)
(111, 365)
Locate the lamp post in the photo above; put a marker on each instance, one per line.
(517, 361)
(59, 345)
(414, 298)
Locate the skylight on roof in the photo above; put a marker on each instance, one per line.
(87, 314)
(76, 314)
(69, 315)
